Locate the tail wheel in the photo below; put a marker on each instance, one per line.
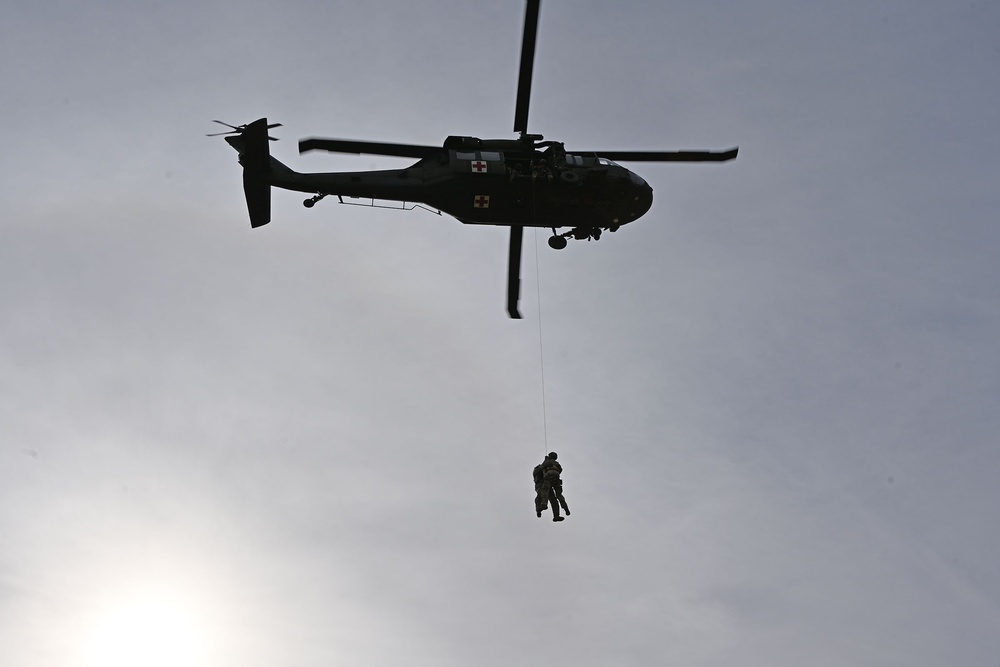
(309, 203)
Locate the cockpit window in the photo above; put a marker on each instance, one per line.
(574, 160)
(490, 156)
(465, 156)
(606, 162)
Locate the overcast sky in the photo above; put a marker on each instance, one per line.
(774, 396)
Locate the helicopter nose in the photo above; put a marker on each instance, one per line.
(642, 197)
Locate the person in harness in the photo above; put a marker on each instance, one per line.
(548, 487)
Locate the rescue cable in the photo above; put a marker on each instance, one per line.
(541, 355)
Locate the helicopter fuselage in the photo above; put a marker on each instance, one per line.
(479, 183)
(515, 183)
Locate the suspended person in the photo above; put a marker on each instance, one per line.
(548, 487)
(549, 491)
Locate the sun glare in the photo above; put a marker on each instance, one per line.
(149, 633)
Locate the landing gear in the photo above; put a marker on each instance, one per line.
(558, 241)
(309, 203)
(581, 233)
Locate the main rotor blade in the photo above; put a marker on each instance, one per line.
(666, 156)
(527, 65)
(514, 271)
(368, 148)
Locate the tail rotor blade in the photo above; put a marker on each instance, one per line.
(232, 129)
(239, 129)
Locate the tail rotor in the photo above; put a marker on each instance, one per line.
(239, 129)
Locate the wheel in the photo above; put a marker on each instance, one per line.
(569, 177)
(309, 203)
(557, 242)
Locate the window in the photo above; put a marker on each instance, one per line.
(486, 156)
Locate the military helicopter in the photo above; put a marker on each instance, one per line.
(516, 183)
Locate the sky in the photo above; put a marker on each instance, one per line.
(309, 444)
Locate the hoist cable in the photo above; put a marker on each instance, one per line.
(541, 354)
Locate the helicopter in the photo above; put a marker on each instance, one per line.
(516, 183)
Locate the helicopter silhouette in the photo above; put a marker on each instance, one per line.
(516, 183)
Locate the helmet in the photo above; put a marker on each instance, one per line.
(552, 455)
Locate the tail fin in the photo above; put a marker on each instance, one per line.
(255, 156)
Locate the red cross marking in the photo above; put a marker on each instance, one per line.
(481, 201)
(479, 166)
